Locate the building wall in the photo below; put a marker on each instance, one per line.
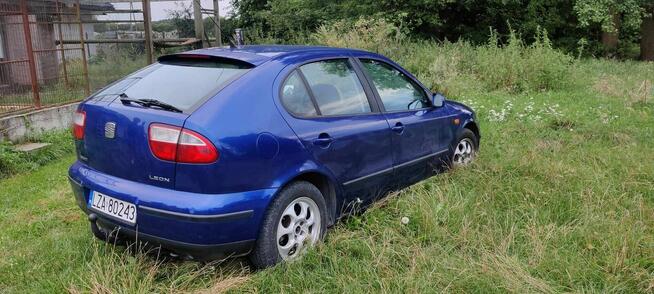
(16, 49)
(71, 32)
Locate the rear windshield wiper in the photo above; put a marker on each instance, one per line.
(149, 103)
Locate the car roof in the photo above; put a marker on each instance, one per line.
(258, 54)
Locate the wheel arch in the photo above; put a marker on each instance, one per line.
(472, 126)
(326, 186)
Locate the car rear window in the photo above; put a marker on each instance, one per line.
(182, 83)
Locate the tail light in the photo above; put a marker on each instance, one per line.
(79, 119)
(180, 145)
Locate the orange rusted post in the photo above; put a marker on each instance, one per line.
(85, 68)
(30, 53)
(61, 44)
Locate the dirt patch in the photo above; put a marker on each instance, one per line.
(621, 138)
(636, 92)
(549, 145)
(224, 285)
(562, 124)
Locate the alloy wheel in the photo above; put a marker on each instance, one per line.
(298, 228)
(464, 152)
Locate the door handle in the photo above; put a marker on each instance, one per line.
(398, 128)
(324, 140)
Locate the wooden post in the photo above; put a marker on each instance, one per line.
(647, 36)
(147, 27)
(61, 45)
(30, 53)
(216, 16)
(199, 25)
(85, 66)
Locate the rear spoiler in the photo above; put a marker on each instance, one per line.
(191, 57)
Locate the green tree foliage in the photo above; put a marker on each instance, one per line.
(571, 24)
(618, 20)
(182, 20)
(602, 12)
(431, 19)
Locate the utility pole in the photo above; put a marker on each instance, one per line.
(199, 25)
(30, 53)
(216, 17)
(147, 27)
(85, 66)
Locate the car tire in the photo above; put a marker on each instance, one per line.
(464, 148)
(275, 241)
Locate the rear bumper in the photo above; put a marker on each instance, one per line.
(196, 251)
(205, 226)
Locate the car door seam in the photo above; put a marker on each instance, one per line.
(394, 167)
(420, 158)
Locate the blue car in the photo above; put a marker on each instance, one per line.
(258, 149)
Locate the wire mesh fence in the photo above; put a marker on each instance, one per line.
(59, 51)
(36, 71)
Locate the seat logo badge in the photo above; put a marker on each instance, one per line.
(110, 130)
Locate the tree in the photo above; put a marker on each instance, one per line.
(182, 20)
(250, 13)
(612, 16)
(647, 35)
(610, 27)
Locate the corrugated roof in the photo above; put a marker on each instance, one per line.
(41, 5)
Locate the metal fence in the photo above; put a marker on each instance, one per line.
(59, 51)
(52, 53)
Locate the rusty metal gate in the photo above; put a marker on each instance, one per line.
(34, 70)
(59, 51)
(51, 53)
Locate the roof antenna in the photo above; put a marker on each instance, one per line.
(238, 36)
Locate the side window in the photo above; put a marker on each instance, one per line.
(336, 87)
(295, 96)
(397, 91)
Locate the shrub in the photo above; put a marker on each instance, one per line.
(518, 67)
(374, 35)
(455, 67)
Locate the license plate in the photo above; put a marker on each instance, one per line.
(113, 207)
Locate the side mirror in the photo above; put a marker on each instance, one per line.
(437, 99)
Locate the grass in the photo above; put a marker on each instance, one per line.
(12, 161)
(560, 199)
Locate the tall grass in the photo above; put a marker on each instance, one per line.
(138, 270)
(452, 67)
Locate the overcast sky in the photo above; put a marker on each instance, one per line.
(160, 9)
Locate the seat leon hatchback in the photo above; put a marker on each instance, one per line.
(258, 149)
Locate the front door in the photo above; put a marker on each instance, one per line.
(334, 118)
(413, 121)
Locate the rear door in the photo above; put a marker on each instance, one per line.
(335, 116)
(415, 124)
(116, 133)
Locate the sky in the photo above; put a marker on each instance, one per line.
(160, 9)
